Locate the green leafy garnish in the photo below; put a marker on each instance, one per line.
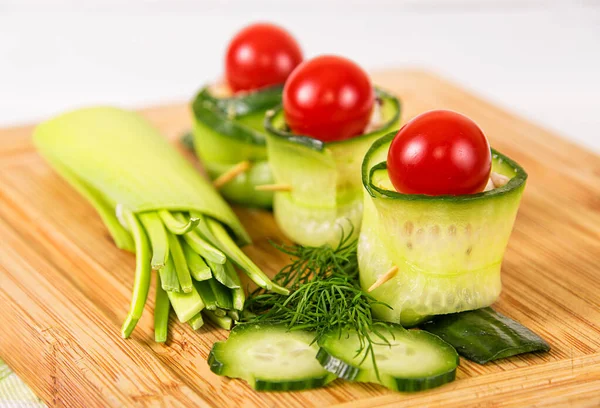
(325, 295)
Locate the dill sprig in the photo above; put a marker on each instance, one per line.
(325, 296)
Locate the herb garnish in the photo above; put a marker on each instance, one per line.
(325, 295)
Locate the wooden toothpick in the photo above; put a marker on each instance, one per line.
(231, 174)
(384, 278)
(498, 179)
(274, 187)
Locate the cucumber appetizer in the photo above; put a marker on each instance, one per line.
(438, 216)
(392, 228)
(330, 116)
(229, 136)
(155, 204)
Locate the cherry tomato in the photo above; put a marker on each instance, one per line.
(261, 55)
(439, 152)
(329, 98)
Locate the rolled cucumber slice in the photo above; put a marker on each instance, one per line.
(230, 130)
(448, 249)
(326, 190)
(409, 360)
(270, 358)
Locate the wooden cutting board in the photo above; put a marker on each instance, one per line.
(64, 287)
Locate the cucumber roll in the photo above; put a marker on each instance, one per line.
(434, 254)
(228, 131)
(316, 153)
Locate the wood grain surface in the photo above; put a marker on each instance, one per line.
(64, 287)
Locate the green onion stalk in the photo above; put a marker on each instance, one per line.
(155, 204)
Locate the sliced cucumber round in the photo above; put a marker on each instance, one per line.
(270, 358)
(448, 249)
(409, 360)
(230, 130)
(324, 177)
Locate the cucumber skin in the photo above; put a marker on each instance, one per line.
(467, 332)
(221, 368)
(349, 372)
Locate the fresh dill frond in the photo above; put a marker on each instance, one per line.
(325, 295)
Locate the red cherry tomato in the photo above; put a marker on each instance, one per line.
(439, 152)
(329, 98)
(261, 55)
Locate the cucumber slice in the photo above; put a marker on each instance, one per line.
(270, 358)
(230, 130)
(448, 249)
(485, 335)
(324, 177)
(409, 360)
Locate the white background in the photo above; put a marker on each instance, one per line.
(538, 58)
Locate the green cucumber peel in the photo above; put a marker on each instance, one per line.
(485, 335)
(187, 140)
(281, 130)
(219, 113)
(371, 165)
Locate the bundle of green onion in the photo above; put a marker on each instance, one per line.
(155, 204)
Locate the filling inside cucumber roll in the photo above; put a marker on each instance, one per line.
(442, 252)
